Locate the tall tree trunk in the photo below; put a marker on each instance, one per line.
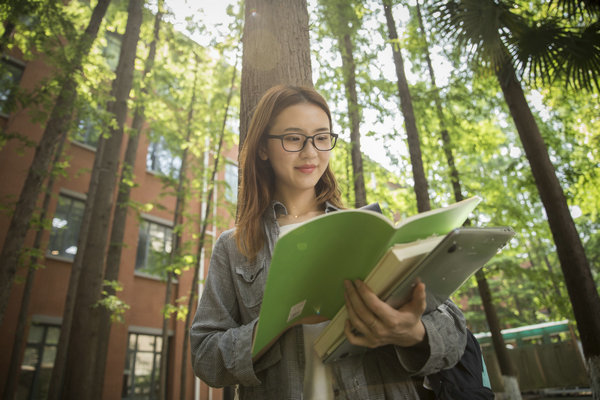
(410, 122)
(58, 123)
(176, 249)
(62, 349)
(509, 375)
(201, 242)
(276, 50)
(113, 258)
(80, 366)
(489, 308)
(349, 67)
(573, 261)
(445, 136)
(14, 367)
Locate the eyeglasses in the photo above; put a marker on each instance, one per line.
(294, 142)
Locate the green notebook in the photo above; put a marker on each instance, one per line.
(310, 263)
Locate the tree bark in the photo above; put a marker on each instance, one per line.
(62, 349)
(276, 50)
(445, 136)
(16, 356)
(349, 67)
(58, 123)
(573, 261)
(202, 241)
(176, 249)
(412, 134)
(482, 284)
(80, 367)
(507, 369)
(113, 258)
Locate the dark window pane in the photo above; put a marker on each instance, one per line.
(38, 362)
(143, 361)
(89, 127)
(154, 247)
(65, 227)
(10, 76)
(163, 160)
(113, 49)
(36, 334)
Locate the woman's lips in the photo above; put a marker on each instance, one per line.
(306, 169)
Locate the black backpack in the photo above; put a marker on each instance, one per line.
(464, 381)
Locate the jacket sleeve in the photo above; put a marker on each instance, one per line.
(446, 338)
(220, 344)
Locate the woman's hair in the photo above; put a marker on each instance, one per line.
(257, 184)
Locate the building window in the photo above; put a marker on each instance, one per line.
(142, 368)
(231, 181)
(112, 50)
(38, 361)
(65, 227)
(10, 76)
(154, 247)
(163, 160)
(89, 128)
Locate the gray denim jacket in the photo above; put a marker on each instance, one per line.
(221, 336)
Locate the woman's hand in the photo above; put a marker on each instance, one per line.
(373, 323)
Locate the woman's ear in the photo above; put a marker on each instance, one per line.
(262, 153)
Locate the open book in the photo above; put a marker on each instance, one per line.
(310, 263)
(443, 263)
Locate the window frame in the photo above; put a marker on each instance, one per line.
(129, 381)
(160, 222)
(32, 390)
(73, 197)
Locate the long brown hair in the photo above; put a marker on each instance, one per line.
(258, 180)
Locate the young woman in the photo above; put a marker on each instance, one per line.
(286, 180)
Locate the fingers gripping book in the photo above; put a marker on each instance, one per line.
(306, 277)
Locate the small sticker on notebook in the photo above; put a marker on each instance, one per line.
(296, 310)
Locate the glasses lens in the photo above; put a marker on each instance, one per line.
(292, 142)
(323, 141)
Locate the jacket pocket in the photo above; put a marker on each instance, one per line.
(251, 283)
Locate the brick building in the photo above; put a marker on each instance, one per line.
(134, 348)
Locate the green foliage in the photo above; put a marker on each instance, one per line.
(179, 309)
(115, 306)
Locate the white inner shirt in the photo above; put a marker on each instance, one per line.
(317, 375)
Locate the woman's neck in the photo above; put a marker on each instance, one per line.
(300, 207)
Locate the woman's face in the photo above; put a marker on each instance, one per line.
(300, 171)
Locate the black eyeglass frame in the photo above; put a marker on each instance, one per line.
(334, 137)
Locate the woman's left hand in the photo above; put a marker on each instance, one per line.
(373, 323)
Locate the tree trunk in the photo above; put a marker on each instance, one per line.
(276, 51)
(62, 349)
(507, 369)
(201, 242)
(412, 134)
(489, 308)
(349, 67)
(58, 123)
(113, 258)
(14, 367)
(445, 136)
(573, 261)
(176, 249)
(80, 366)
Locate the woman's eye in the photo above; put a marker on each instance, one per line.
(322, 138)
(293, 138)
